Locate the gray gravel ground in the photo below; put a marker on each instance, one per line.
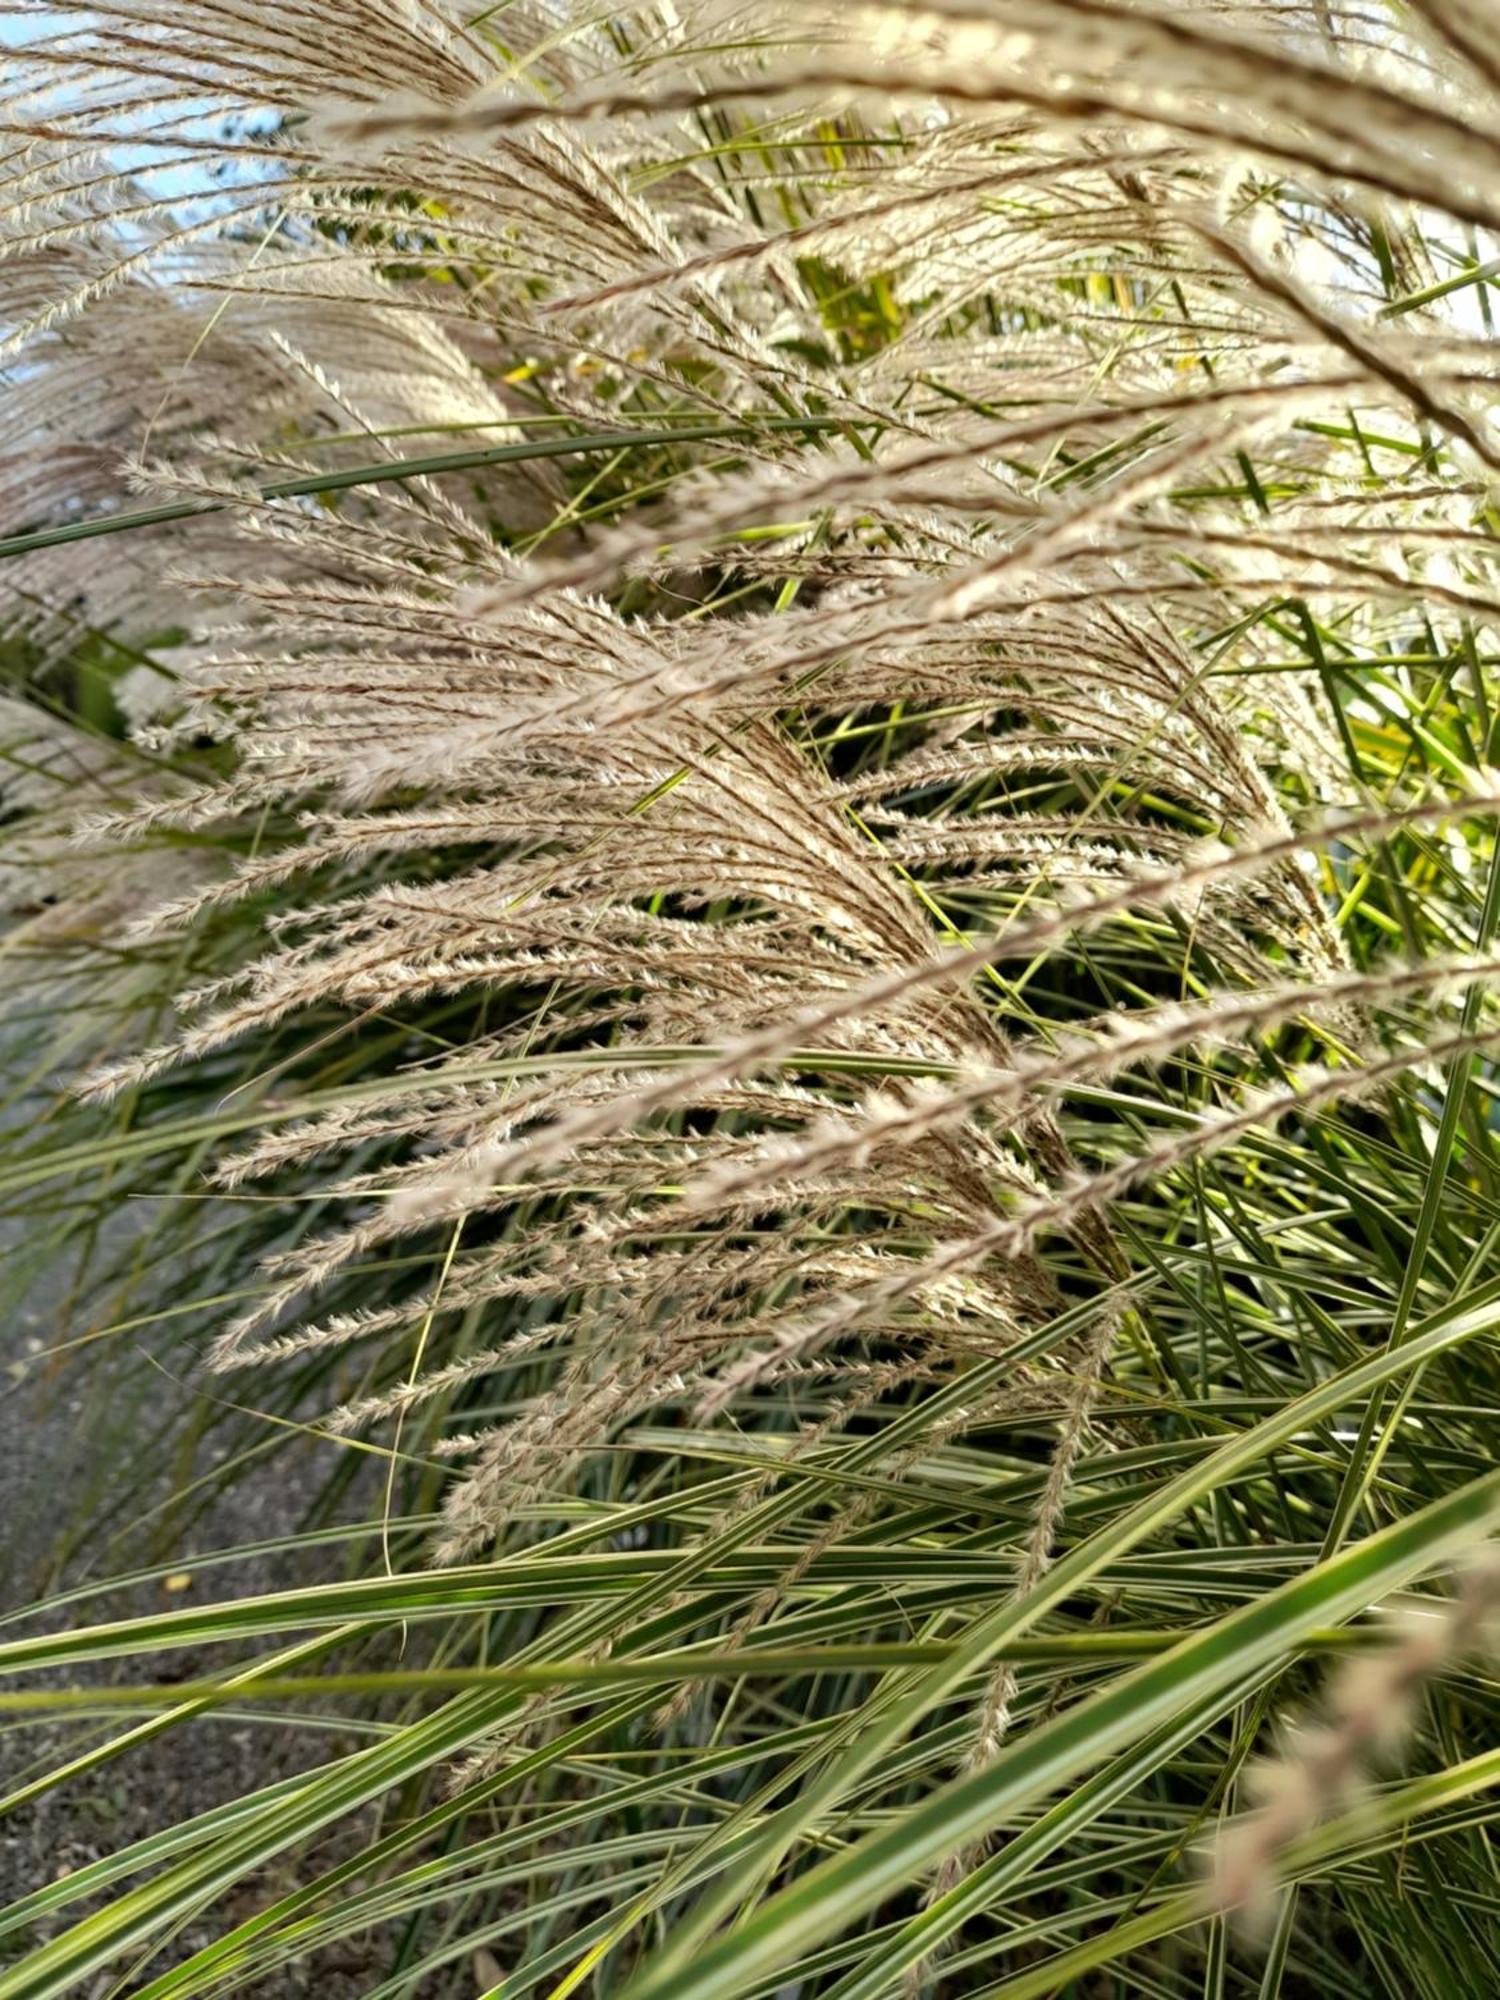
(47, 1452)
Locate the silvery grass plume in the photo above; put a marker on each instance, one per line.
(1369, 1709)
(757, 665)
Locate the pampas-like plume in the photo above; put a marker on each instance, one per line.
(1368, 1713)
(778, 976)
(769, 723)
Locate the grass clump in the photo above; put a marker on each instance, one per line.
(751, 763)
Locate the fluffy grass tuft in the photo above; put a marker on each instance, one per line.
(750, 763)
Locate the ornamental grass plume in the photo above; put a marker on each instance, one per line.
(1370, 1707)
(750, 769)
